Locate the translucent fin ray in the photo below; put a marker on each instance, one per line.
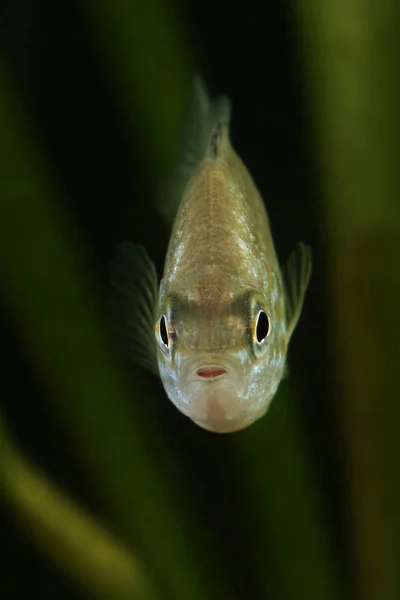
(297, 275)
(133, 300)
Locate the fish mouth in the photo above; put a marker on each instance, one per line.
(211, 371)
(214, 393)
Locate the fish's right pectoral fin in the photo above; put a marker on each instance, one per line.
(133, 299)
(297, 275)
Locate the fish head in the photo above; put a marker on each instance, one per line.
(221, 361)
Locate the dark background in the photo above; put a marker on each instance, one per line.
(253, 55)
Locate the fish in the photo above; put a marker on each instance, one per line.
(216, 328)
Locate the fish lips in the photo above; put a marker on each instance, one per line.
(214, 394)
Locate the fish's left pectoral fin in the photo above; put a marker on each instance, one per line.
(133, 299)
(297, 275)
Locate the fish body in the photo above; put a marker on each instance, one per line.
(224, 314)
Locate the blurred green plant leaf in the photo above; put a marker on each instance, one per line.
(351, 56)
(149, 59)
(70, 537)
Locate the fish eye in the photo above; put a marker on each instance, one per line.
(262, 328)
(162, 334)
(163, 330)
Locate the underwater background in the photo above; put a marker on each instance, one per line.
(106, 490)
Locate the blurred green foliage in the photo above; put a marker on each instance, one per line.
(350, 56)
(352, 60)
(149, 59)
(75, 542)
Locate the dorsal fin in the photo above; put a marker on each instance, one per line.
(201, 133)
(215, 141)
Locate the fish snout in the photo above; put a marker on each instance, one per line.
(214, 395)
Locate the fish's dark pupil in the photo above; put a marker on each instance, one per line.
(262, 326)
(163, 331)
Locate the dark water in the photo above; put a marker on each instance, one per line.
(251, 53)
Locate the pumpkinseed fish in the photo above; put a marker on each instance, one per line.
(217, 329)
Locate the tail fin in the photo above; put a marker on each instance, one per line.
(200, 134)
